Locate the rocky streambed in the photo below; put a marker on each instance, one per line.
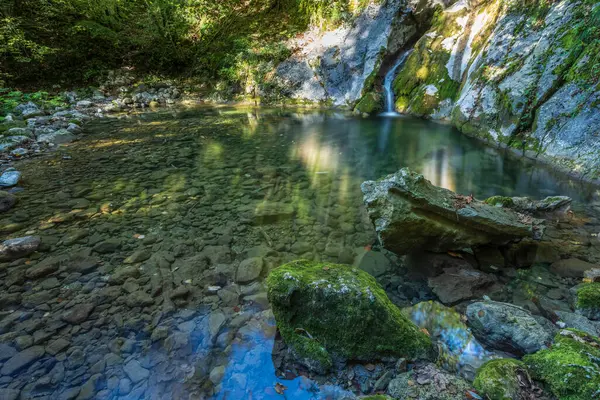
(148, 242)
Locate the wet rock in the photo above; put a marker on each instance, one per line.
(121, 274)
(43, 268)
(410, 213)
(427, 382)
(18, 247)
(138, 256)
(22, 360)
(88, 389)
(28, 110)
(78, 313)
(56, 346)
(324, 309)
(507, 327)
(135, 371)
(269, 213)
(458, 284)
(9, 394)
(249, 270)
(571, 268)
(108, 246)
(578, 322)
(6, 351)
(139, 299)
(9, 178)
(7, 201)
(593, 275)
(570, 368)
(553, 204)
(503, 379)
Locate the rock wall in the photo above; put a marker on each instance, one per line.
(339, 66)
(516, 74)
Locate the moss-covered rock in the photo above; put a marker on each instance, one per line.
(370, 103)
(571, 367)
(501, 379)
(499, 201)
(324, 310)
(587, 301)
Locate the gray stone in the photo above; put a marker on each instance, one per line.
(28, 110)
(427, 382)
(373, 262)
(22, 360)
(135, 371)
(61, 136)
(139, 299)
(459, 284)
(56, 346)
(18, 247)
(121, 274)
(88, 389)
(576, 321)
(108, 246)
(78, 313)
(249, 270)
(43, 268)
(410, 213)
(9, 394)
(507, 327)
(7, 201)
(138, 256)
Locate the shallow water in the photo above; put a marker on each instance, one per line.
(184, 197)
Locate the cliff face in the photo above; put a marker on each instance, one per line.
(520, 74)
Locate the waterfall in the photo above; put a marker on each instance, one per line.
(387, 85)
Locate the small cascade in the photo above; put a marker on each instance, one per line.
(387, 85)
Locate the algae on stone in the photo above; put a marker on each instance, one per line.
(571, 367)
(501, 379)
(324, 310)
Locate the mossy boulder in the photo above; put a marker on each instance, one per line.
(571, 367)
(325, 311)
(370, 103)
(502, 379)
(587, 300)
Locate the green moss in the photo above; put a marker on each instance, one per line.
(371, 103)
(499, 201)
(571, 367)
(324, 309)
(499, 379)
(588, 295)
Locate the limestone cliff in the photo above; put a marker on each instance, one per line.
(519, 74)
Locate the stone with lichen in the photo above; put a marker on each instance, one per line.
(331, 311)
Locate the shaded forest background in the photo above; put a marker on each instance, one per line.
(78, 41)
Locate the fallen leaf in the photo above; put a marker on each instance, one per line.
(370, 367)
(325, 268)
(279, 388)
(455, 255)
(425, 331)
(368, 247)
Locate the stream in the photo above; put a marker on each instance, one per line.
(159, 229)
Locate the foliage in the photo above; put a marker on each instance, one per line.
(9, 99)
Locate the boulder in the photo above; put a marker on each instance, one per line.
(410, 213)
(503, 379)
(570, 368)
(28, 110)
(509, 328)
(577, 321)
(329, 310)
(19, 247)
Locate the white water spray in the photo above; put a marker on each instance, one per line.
(387, 85)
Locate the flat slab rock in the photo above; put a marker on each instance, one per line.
(410, 213)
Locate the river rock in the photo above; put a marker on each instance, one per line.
(78, 313)
(593, 275)
(570, 368)
(22, 359)
(249, 270)
(459, 284)
(9, 394)
(330, 309)
(18, 247)
(410, 213)
(373, 262)
(507, 327)
(7, 201)
(28, 110)
(579, 322)
(135, 371)
(9, 178)
(504, 379)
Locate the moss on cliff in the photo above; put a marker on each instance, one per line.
(370, 103)
(326, 309)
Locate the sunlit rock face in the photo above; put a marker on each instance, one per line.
(409, 213)
(512, 74)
